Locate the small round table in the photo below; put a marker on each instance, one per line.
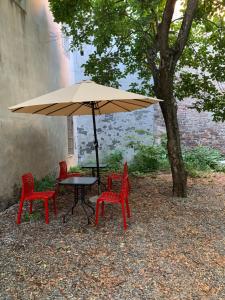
(79, 184)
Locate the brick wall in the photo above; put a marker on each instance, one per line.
(195, 128)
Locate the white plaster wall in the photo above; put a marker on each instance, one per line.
(32, 62)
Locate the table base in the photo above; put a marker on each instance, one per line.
(79, 196)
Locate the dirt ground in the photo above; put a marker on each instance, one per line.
(173, 248)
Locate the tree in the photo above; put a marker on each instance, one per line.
(148, 41)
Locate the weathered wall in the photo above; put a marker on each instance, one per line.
(113, 129)
(195, 128)
(114, 132)
(32, 62)
(199, 128)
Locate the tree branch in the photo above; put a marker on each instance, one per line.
(213, 23)
(185, 29)
(164, 26)
(180, 18)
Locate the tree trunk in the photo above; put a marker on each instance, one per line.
(179, 174)
(169, 111)
(162, 60)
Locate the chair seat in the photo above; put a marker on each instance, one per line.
(109, 197)
(37, 195)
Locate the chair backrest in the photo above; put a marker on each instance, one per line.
(124, 187)
(27, 185)
(62, 170)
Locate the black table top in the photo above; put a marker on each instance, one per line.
(93, 165)
(79, 181)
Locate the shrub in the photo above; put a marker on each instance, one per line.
(46, 183)
(148, 158)
(202, 159)
(114, 160)
(75, 169)
(145, 160)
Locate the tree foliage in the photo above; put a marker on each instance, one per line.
(124, 33)
(204, 55)
(169, 56)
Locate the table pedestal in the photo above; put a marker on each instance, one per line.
(79, 196)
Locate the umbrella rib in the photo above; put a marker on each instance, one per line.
(110, 101)
(76, 109)
(119, 106)
(17, 109)
(37, 111)
(98, 107)
(123, 101)
(104, 104)
(52, 112)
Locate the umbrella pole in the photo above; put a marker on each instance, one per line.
(96, 144)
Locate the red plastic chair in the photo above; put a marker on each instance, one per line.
(118, 177)
(28, 194)
(117, 198)
(63, 173)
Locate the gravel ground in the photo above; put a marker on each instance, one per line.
(173, 249)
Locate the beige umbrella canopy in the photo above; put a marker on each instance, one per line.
(79, 98)
(85, 98)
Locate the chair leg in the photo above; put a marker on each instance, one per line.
(54, 205)
(124, 216)
(97, 213)
(102, 208)
(128, 207)
(31, 206)
(20, 212)
(46, 212)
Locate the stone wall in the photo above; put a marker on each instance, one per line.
(32, 62)
(114, 131)
(195, 128)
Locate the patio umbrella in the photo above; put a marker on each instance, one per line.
(85, 98)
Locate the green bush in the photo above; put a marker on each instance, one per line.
(148, 158)
(145, 160)
(115, 160)
(46, 183)
(202, 159)
(75, 169)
